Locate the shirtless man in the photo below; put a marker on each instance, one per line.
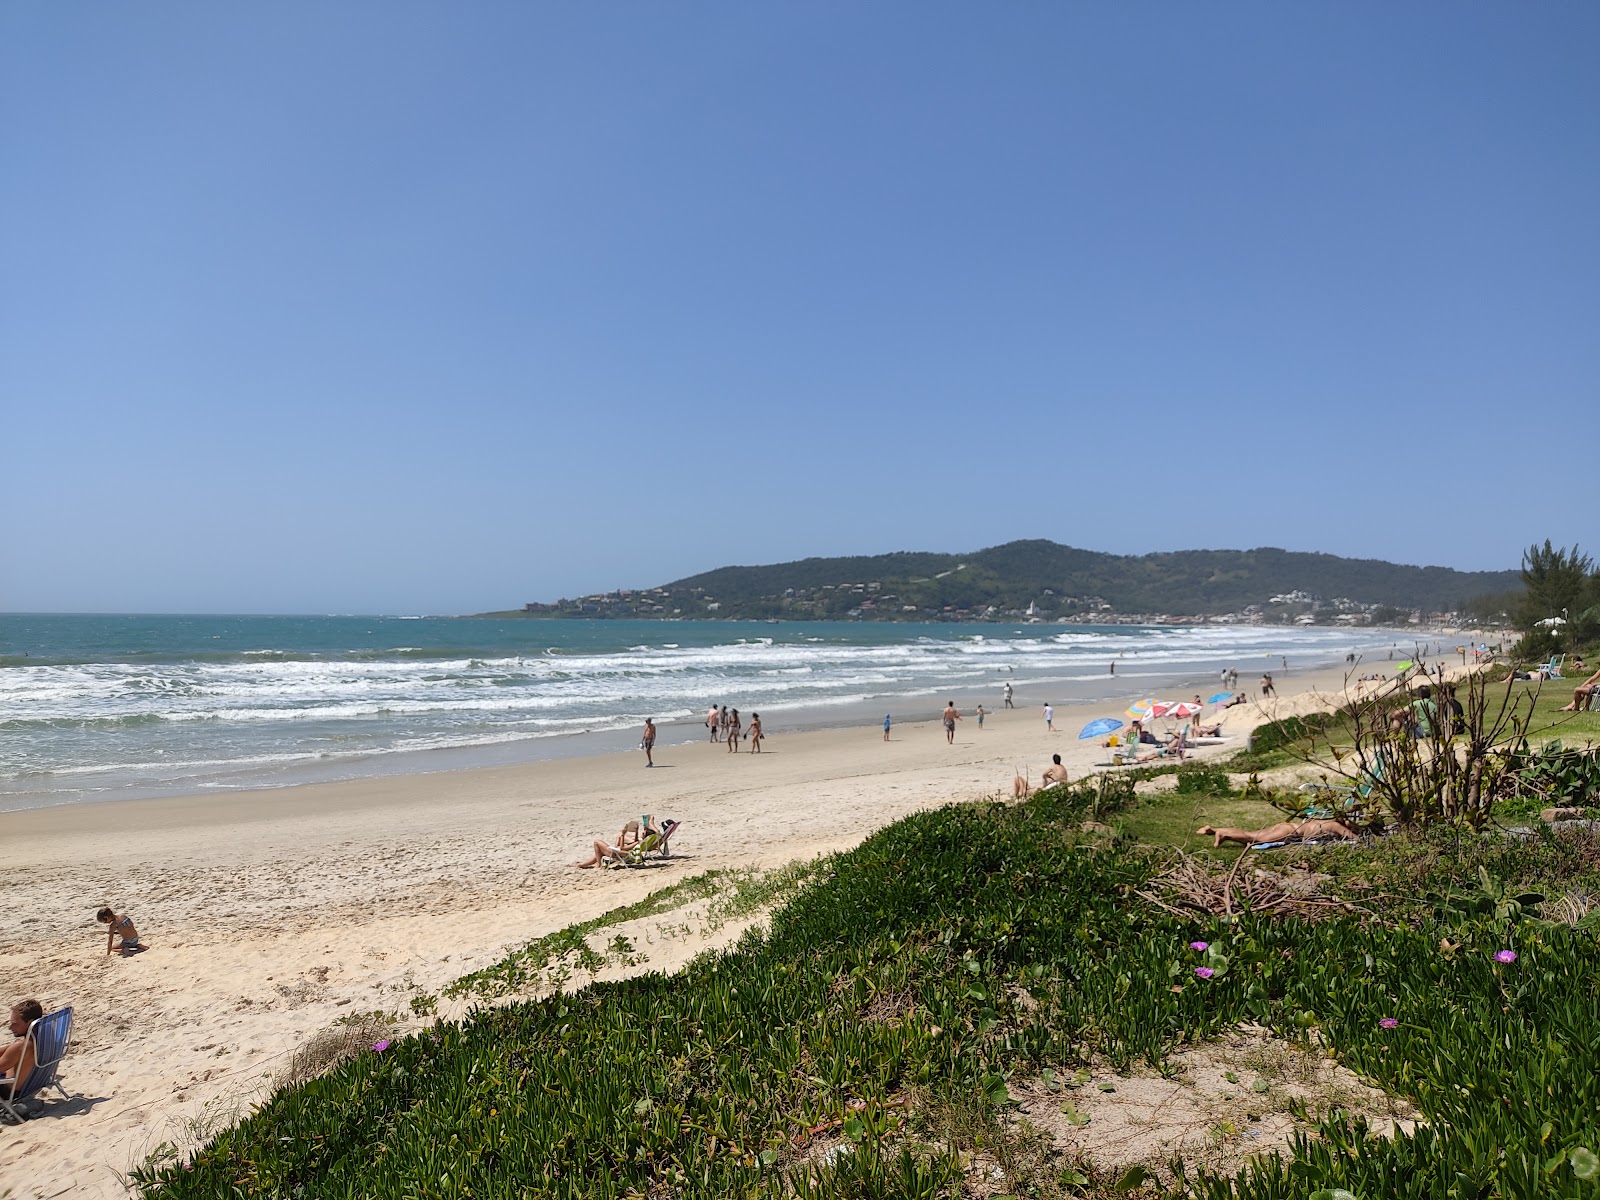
(16, 1061)
(1283, 831)
(648, 742)
(1581, 694)
(1055, 772)
(951, 716)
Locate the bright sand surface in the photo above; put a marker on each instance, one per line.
(271, 915)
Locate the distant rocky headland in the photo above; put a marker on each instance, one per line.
(1042, 581)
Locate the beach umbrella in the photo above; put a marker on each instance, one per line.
(1098, 727)
(1161, 708)
(1183, 710)
(1139, 710)
(1220, 697)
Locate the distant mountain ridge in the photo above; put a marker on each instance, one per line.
(1047, 580)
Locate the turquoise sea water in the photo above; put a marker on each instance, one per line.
(103, 707)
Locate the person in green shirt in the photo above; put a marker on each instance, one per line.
(1423, 712)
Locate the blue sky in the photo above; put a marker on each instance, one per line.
(435, 308)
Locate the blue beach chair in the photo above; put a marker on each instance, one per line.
(49, 1037)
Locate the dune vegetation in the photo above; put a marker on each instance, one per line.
(947, 1009)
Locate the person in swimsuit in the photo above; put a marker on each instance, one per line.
(980, 718)
(886, 723)
(713, 723)
(16, 1061)
(120, 925)
(951, 716)
(722, 721)
(632, 834)
(755, 733)
(734, 726)
(648, 742)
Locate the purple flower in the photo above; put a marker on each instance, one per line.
(1204, 972)
(1198, 945)
(1388, 1023)
(1506, 956)
(380, 1047)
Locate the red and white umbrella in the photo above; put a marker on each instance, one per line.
(1183, 710)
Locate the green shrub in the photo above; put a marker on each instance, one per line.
(936, 960)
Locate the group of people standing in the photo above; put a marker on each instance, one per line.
(726, 726)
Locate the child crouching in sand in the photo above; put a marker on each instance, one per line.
(119, 925)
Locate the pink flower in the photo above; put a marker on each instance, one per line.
(1198, 945)
(1204, 972)
(1388, 1023)
(380, 1047)
(1506, 956)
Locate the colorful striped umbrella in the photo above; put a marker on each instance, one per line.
(1139, 710)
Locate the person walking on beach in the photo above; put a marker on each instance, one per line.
(722, 722)
(1007, 690)
(734, 726)
(712, 722)
(980, 718)
(887, 717)
(1049, 717)
(1266, 687)
(951, 716)
(648, 742)
(755, 733)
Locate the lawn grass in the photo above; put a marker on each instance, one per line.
(1171, 818)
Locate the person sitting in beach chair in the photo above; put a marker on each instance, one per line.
(17, 1060)
(1284, 831)
(627, 840)
(655, 841)
(1582, 693)
(29, 1065)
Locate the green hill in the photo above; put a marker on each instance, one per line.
(1002, 582)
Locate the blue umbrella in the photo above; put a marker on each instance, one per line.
(1099, 726)
(1220, 697)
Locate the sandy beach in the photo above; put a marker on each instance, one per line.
(271, 915)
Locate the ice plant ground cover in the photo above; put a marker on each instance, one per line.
(951, 956)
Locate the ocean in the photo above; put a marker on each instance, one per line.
(110, 707)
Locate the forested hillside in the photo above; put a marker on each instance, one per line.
(1054, 581)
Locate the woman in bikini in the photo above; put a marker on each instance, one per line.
(755, 733)
(734, 727)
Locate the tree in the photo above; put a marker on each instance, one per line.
(1556, 581)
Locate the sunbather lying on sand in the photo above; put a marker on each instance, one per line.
(1283, 831)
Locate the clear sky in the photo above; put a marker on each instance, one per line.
(424, 307)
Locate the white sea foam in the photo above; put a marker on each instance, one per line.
(264, 706)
